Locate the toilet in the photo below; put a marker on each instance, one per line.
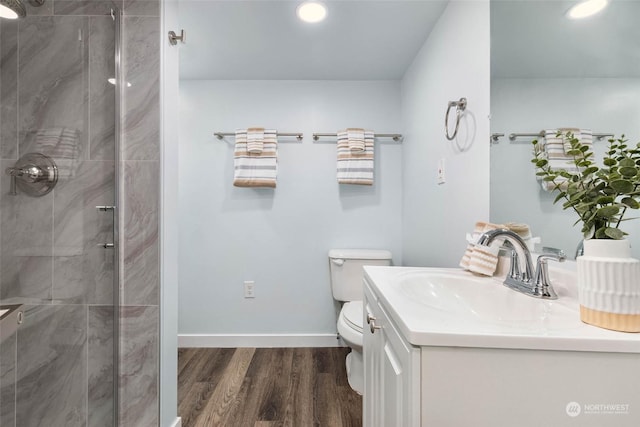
(346, 285)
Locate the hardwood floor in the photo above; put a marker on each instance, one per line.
(266, 387)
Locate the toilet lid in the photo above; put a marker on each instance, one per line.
(352, 312)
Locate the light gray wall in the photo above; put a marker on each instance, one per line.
(170, 122)
(453, 63)
(278, 238)
(530, 105)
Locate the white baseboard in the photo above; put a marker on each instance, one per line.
(177, 422)
(263, 340)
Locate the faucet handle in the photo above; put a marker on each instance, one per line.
(542, 286)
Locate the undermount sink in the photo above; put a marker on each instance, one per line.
(468, 298)
(453, 307)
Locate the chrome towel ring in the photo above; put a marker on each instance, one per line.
(460, 107)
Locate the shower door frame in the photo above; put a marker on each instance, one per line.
(116, 13)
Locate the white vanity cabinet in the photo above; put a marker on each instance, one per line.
(445, 348)
(392, 371)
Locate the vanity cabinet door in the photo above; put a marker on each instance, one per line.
(392, 373)
(372, 347)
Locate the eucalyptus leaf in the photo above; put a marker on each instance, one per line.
(622, 186)
(608, 211)
(628, 172)
(614, 233)
(631, 202)
(590, 170)
(627, 163)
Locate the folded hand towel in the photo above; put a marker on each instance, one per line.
(557, 143)
(480, 259)
(256, 170)
(555, 147)
(255, 140)
(355, 167)
(355, 138)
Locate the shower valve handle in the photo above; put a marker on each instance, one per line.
(31, 173)
(34, 173)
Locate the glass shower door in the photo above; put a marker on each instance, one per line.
(58, 253)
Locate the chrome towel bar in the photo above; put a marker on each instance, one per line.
(297, 135)
(395, 136)
(541, 134)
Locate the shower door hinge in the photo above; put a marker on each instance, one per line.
(174, 38)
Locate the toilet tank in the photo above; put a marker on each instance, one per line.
(346, 270)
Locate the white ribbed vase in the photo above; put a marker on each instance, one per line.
(609, 285)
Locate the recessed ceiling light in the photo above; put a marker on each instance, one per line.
(311, 11)
(586, 8)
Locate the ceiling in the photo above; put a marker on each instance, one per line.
(533, 38)
(264, 40)
(378, 39)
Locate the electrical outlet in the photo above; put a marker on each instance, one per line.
(248, 289)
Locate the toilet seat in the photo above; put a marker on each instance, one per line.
(352, 312)
(350, 324)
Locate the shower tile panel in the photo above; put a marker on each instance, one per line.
(100, 389)
(53, 76)
(8, 381)
(53, 84)
(83, 269)
(8, 92)
(45, 10)
(26, 225)
(52, 367)
(139, 366)
(82, 7)
(141, 64)
(102, 94)
(140, 240)
(142, 7)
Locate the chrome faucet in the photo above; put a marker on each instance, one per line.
(522, 277)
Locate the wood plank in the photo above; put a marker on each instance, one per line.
(216, 362)
(252, 390)
(300, 397)
(185, 355)
(294, 387)
(194, 401)
(187, 378)
(226, 389)
(326, 407)
(273, 402)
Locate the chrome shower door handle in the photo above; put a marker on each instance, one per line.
(107, 208)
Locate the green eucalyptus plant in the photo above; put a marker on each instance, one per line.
(601, 196)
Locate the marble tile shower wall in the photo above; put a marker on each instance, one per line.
(57, 369)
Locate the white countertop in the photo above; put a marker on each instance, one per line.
(499, 317)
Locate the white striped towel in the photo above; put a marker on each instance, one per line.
(355, 138)
(255, 140)
(555, 148)
(355, 167)
(557, 144)
(256, 170)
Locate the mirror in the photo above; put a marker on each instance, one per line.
(547, 72)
